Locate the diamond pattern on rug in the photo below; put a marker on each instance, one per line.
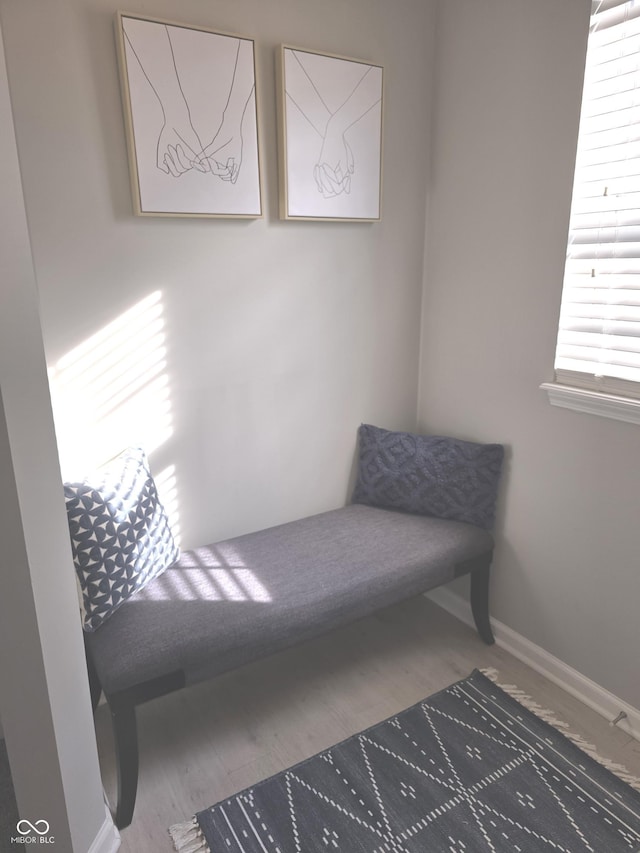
(468, 770)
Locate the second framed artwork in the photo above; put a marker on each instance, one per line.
(330, 135)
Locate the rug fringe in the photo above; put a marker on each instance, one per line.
(549, 717)
(188, 838)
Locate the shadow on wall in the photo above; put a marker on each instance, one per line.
(111, 392)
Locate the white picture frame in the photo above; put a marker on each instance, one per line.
(190, 110)
(330, 132)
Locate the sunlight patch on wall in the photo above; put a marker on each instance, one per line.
(167, 486)
(112, 391)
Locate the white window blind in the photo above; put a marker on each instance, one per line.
(599, 333)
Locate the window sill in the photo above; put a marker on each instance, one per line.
(593, 402)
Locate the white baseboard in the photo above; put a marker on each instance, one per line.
(108, 838)
(578, 685)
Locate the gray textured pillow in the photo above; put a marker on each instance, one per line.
(428, 475)
(120, 535)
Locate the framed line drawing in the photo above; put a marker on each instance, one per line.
(330, 136)
(189, 100)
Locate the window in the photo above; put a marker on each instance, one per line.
(598, 351)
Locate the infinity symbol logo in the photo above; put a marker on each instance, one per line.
(41, 827)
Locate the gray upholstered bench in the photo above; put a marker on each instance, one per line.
(232, 602)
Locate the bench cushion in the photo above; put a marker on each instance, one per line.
(232, 602)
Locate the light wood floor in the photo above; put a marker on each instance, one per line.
(203, 744)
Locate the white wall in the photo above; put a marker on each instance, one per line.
(504, 132)
(44, 702)
(281, 337)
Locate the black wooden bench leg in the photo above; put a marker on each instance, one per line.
(123, 720)
(480, 603)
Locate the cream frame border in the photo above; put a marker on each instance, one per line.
(128, 118)
(283, 189)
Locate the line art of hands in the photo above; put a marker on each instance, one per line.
(179, 148)
(222, 157)
(224, 153)
(335, 164)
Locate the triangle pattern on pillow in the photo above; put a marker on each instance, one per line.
(120, 534)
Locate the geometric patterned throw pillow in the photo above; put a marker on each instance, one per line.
(428, 475)
(120, 535)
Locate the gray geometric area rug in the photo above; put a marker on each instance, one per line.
(468, 770)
